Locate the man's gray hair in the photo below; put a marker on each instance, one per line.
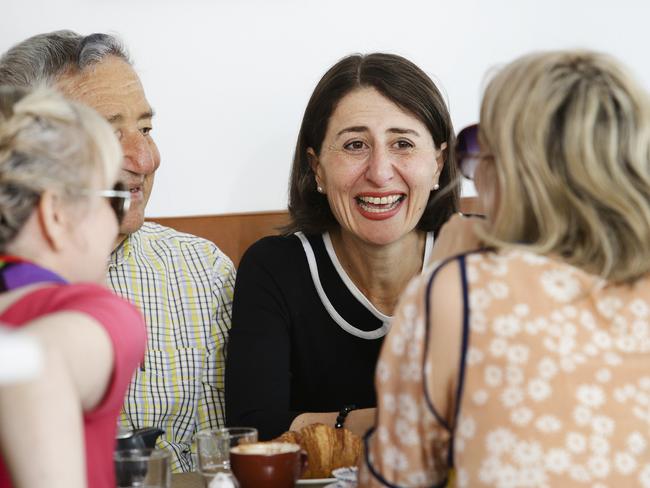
(41, 59)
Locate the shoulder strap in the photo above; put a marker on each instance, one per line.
(464, 344)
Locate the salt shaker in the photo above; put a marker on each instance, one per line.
(224, 480)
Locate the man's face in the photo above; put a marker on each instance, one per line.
(114, 90)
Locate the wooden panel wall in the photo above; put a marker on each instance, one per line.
(233, 233)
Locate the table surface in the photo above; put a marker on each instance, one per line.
(195, 480)
(187, 480)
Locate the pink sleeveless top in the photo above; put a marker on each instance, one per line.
(125, 327)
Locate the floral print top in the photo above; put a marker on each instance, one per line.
(551, 380)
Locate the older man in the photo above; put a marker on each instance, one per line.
(182, 284)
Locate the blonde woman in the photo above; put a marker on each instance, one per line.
(59, 218)
(527, 364)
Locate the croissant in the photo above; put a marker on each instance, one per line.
(327, 448)
(290, 436)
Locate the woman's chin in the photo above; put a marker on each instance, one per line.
(383, 236)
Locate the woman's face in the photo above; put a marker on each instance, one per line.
(92, 236)
(377, 166)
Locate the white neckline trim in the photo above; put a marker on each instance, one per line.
(344, 324)
(428, 246)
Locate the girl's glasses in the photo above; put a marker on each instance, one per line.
(119, 199)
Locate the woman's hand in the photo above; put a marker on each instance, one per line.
(457, 235)
(359, 421)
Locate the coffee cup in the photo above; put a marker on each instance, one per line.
(267, 464)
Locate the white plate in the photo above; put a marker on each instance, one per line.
(316, 481)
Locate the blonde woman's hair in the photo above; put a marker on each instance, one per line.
(48, 142)
(569, 133)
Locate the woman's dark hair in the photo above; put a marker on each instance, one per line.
(406, 85)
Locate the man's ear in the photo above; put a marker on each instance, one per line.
(314, 163)
(52, 219)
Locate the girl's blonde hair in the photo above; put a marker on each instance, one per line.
(48, 142)
(569, 134)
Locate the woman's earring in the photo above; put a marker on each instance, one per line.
(436, 186)
(319, 189)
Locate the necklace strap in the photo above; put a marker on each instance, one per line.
(16, 272)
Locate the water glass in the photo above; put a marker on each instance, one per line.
(213, 448)
(143, 468)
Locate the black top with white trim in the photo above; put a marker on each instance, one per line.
(303, 337)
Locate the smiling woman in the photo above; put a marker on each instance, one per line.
(378, 166)
(312, 307)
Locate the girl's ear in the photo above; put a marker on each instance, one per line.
(53, 219)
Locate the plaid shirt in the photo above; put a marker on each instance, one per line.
(184, 286)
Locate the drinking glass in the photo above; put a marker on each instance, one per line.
(213, 448)
(143, 468)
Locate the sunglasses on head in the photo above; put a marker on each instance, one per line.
(468, 152)
(119, 199)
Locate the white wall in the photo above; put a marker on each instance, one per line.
(229, 79)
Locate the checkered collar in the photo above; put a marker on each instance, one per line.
(123, 251)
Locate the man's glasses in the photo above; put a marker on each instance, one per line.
(119, 199)
(468, 152)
